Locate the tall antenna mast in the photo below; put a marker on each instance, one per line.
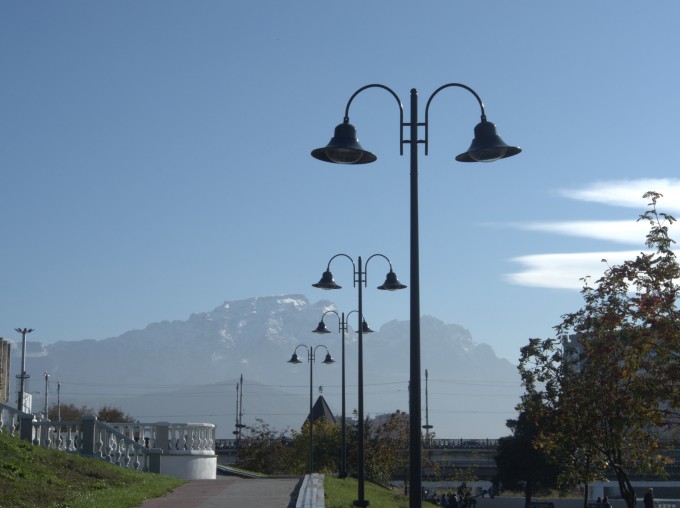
(427, 425)
(236, 414)
(240, 410)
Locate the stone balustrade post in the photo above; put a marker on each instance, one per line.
(26, 426)
(162, 435)
(155, 460)
(87, 430)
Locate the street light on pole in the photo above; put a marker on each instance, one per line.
(391, 284)
(342, 324)
(344, 148)
(23, 376)
(311, 356)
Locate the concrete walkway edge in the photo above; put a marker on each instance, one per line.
(311, 492)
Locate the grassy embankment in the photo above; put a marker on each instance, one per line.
(31, 476)
(340, 492)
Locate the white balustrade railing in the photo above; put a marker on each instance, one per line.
(9, 419)
(130, 445)
(172, 438)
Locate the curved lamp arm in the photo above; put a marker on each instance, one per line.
(354, 267)
(379, 255)
(401, 110)
(427, 106)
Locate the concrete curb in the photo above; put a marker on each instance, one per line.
(311, 492)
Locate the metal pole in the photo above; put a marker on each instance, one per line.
(23, 376)
(59, 401)
(310, 359)
(415, 473)
(236, 429)
(343, 444)
(47, 377)
(240, 410)
(427, 425)
(361, 469)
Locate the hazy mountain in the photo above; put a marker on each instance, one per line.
(188, 370)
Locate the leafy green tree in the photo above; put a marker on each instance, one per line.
(387, 447)
(522, 464)
(610, 380)
(112, 414)
(69, 412)
(326, 448)
(265, 450)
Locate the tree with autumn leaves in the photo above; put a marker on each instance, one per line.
(269, 451)
(606, 389)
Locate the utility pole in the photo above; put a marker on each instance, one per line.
(240, 410)
(23, 376)
(59, 401)
(47, 377)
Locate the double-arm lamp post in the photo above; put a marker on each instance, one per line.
(391, 284)
(344, 148)
(311, 356)
(342, 325)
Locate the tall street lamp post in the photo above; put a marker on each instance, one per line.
(23, 376)
(342, 324)
(311, 356)
(344, 148)
(391, 284)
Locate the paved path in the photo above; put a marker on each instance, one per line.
(231, 492)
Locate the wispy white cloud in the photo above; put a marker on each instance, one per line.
(625, 231)
(565, 271)
(628, 193)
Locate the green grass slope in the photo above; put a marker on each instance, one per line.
(31, 476)
(341, 492)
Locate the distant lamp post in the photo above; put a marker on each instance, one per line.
(342, 324)
(311, 356)
(344, 148)
(23, 376)
(391, 284)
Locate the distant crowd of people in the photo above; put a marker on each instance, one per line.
(460, 498)
(648, 499)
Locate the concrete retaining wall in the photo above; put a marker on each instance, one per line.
(189, 467)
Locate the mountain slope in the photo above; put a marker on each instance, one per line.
(188, 370)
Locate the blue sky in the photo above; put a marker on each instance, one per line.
(156, 156)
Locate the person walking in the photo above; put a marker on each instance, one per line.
(649, 498)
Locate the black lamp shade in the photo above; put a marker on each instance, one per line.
(365, 328)
(391, 282)
(487, 146)
(327, 281)
(344, 148)
(328, 360)
(321, 328)
(294, 359)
